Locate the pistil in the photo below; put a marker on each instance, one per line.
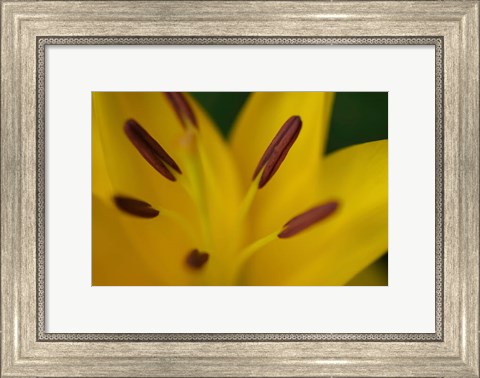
(194, 172)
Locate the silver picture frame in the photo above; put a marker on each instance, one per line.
(452, 27)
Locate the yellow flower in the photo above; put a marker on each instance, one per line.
(174, 204)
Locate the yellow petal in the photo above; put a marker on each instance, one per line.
(375, 274)
(101, 185)
(334, 251)
(258, 123)
(114, 260)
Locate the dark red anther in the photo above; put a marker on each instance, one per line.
(149, 148)
(278, 149)
(135, 207)
(307, 219)
(197, 259)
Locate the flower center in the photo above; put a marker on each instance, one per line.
(192, 178)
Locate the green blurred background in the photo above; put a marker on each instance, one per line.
(358, 117)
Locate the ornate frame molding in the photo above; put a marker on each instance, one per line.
(452, 26)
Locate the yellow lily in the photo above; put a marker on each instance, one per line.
(175, 204)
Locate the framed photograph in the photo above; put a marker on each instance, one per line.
(207, 188)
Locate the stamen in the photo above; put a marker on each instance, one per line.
(278, 149)
(135, 207)
(197, 259)
(182, 108)
(307, 219)
(292, 227)
(149, 148)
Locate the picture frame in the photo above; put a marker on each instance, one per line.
(27, 27)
